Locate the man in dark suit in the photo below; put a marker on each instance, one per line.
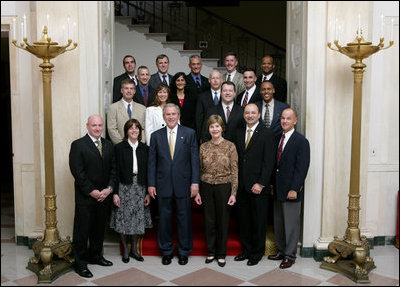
(256, 150)
(271, 109)
(251, 94)
(267, 67)
(196, 82)
(162, 76)
(92, 163)
(129, 63)
(293, 160)
(174, 177)
(208, 99)
(144, 93)
(231, 113)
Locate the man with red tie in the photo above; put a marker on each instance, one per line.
(293, 160)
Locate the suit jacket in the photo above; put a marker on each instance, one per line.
(255, 97)
(256, 163)
(280, 87)
(124, 162)
(205, 101)
(275, 127)
(237, 80)
(235, 121)
(91, 170)
(292, 169)
(155, 81)
(188, 109)
(138, 97)
(117, 116)
(117, 95)
(192, 86)
(173, 177)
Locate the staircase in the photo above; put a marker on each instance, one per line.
(190, 31)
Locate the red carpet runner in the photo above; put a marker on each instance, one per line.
(148, 245)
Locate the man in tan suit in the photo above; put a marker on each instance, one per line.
(232, 74)
(123, 110)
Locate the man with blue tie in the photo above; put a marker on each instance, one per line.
(293, 160)
(195, 81)
(174, 177)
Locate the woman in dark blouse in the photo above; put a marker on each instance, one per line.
(131, 214)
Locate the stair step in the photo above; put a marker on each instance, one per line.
(189, 53)
(177, 45)
(211, 62)
(126, 20)
(141, 28)
(161, 37)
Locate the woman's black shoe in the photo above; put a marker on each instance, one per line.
(136, 256)
(210, 259)
(221, 262)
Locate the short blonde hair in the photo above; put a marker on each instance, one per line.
(215, 119)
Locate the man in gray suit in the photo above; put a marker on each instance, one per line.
(123, 110)
(232, 74)
(162, 76)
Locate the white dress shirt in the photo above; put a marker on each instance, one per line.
(175, 129)
(224, 108)
(252, 130)
(251, 92)
(134, 147)
(287, 137)
(267, 76)
(166, 77)
(270, 108)
(232, 75)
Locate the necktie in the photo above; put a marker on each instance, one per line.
(198, 82)
(265, 78)
(280, 148)
(215, 99)
(228, 113)
(267, 121)
(164, 80)
(229, 78)
(171, 144)
(145, 97)
(248, 138)
(98, 145)
(129, 111)
(246, 97)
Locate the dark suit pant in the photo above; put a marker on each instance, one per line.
(89, 224)
(184, 225)
(252, 212)
(216, 216)
(287, 227)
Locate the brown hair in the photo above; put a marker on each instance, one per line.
(128, 125)
(156, 102)
(215, 119)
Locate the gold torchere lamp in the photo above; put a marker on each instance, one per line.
(351, 252)
(51, 253)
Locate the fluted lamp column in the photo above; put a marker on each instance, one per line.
(351, 252)
(51, 253)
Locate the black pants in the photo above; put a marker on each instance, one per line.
(216, 216)
(252, 212)
(89, 224)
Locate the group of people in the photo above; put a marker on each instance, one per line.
(222, 141)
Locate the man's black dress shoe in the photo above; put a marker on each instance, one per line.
(210, 259)
(136, 256)
(84, 272)
(286, 263)
(101, 261)
(125, 260)
(240, 257)
(252, 262)
(166, 259)
(183, 260)
(275, 257)
(221, 262)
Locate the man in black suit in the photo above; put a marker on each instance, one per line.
(144, 93)
(293, 160)
(196, 82)
(92, 163)
(231, 113)
(271, 109)
(251, 94)
(208, 99)
(256, 150)
(162, 76)
(267, 67)
(129, 63)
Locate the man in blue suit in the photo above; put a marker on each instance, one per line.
(293, 160)
(174, 177)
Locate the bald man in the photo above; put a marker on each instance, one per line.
(92, 164)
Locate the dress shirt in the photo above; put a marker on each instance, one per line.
(218, 94)
(162, 79)
(134, 79)
(251, 92)
(134, 147)
(224, 108)
(94, 139)
(252, 130)
(194, 78)
(175, 129)
(126, 104)
(267, 76)
(271, 110)
(145, 88)
(287, 137)
(232, 75)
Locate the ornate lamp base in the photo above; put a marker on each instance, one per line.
(357, 266)
(51, 260)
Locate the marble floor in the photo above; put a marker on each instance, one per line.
(305, 271)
